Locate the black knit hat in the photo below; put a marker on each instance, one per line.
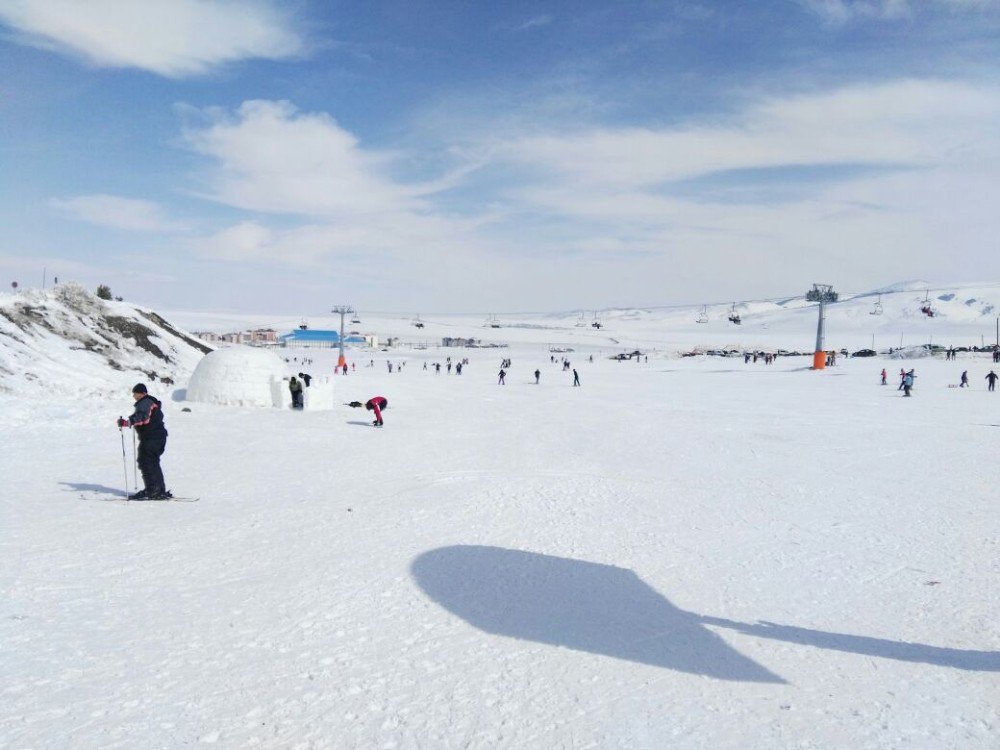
(139, 388)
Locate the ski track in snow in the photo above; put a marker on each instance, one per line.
(700, 498)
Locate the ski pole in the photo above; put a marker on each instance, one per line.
(124, 462)
(135, 466)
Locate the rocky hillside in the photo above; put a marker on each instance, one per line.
(68, 343)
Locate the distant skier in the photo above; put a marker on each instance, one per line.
(538, 374)
(902, 379)
(306, 378)
(908, 379)
(147, 419)
(992, 378)
(502, 375)
(458, 368)
(576, 378)
(437, 367)
(448, 367)
(377, 404)
(295, 388)
(964, 381)
(885, 375)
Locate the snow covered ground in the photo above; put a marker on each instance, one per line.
(681, 553)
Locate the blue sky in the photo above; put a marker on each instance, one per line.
(456, 156)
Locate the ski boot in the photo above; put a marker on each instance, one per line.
(140, 495)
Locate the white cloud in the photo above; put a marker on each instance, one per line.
(901, 123)
(922, 158)
(116, 212)
(274, 159)
(840, 12)
(175, 39)
(532, 23)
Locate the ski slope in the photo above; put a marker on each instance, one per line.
(680, 553)
(965, 315)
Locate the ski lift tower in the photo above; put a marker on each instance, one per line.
(819, 356)
(342, 310)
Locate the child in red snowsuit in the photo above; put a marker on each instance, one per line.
(377, 404)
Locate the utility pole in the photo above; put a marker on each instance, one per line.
(819, 355)
(343, 310)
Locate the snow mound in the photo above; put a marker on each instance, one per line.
(912, 352)
(239, 376)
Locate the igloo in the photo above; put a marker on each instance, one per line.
(238, 376)
(244, 376)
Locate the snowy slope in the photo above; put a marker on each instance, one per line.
(965, 316)
(685, 553)
(69, 341)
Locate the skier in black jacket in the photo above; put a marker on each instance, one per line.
(147, 419)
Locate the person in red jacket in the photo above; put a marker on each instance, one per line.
(377, 404)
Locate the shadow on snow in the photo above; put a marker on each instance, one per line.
(87, 487)
(603, 609)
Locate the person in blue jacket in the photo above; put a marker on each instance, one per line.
(147, 421)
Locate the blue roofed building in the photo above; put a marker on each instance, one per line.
(317, 339)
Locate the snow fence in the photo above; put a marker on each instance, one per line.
(244, 376)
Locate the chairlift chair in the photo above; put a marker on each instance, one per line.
(877, 310)
(926, 308)
(703, 316)
(734, 317)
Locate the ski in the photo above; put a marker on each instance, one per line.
(119, 499)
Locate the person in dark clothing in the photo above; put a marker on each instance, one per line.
(147, 420)
(377, 404)
(538, 374)
(884, 376)
(502, 375)
(295, 388)
(992, 378)
(306, 378)
(964, 381)
(576, 378)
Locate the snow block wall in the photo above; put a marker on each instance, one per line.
(239, 376)
(319, 394)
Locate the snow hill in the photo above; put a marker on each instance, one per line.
(964, 315)
(68, 340)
